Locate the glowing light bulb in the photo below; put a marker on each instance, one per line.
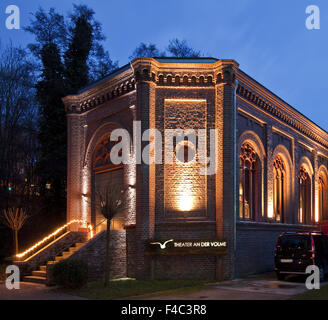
(186, 202)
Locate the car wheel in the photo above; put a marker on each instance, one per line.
(280, 276)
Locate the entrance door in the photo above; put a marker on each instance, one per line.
(113, 177)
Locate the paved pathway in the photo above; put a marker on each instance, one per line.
(32, 291)
(260, 287)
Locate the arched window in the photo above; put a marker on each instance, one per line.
(323, 214)
(248, 184)
(304, 196)
(279, 183)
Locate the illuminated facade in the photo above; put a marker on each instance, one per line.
(271, 174)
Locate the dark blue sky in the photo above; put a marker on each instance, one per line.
(267, 38)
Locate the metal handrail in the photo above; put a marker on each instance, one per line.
(94, 227)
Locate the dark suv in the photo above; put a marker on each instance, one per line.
(296, 250)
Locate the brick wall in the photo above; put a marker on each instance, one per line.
(256, 243)
(93, 253)
(131, 251)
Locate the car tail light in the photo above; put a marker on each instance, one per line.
(312, 248)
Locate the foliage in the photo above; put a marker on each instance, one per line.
(181, 49)
(77, 53)
(98, 61)
(48, 28)
(52, 128)
(71, 273)
(18, 139)
(146, 50)
(70, 54)
(176, 48)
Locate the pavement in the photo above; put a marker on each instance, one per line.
(33, 291)
(259, 287)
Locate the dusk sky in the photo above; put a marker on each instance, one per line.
(267, 38)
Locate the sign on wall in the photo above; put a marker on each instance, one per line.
(187, 247)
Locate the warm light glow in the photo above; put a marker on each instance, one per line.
(85, 199)
(186, 202)
(90, 230)
(316, 214)
(270, 210)
(20, 255)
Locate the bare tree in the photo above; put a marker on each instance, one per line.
(14, 218)
(146, 50)
(111, 201)
(18, 140)
(181, 49)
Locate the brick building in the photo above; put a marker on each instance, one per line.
(271, 173)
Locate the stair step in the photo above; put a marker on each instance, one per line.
(72, 249)
(79, 244)
(59, 258)
(41, 274)
(34, 279)
(66, 254)
(43, 268)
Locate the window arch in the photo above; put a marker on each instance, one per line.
(248, 182)
(323, 208)
(279, 188)
(304, 196)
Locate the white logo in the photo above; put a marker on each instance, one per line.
(313, 280)
(313, 20)
(12, 281)
(163, 246)
(13, 21)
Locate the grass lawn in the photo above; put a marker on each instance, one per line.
(321, 294)
(127, 288)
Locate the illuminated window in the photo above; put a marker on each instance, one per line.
(279, 182)
(248, 183)
(304, 196)
(322, 199)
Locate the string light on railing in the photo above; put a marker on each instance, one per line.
(20, 255)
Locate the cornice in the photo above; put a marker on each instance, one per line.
(257, 95)
(108, 90)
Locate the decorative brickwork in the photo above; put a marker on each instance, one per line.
(202, 93)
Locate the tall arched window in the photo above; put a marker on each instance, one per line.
(279, 182)
(304, 196)
(323, 214)
(248, 182)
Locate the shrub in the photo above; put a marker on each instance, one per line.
(71, 273)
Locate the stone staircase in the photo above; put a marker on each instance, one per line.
(40, 275)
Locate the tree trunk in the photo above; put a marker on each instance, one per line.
(16, 241)
(107, 262)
